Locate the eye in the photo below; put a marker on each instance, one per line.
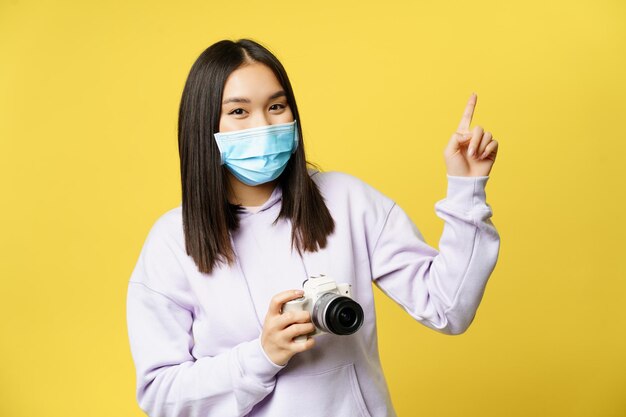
(280, 106)
(237, 111)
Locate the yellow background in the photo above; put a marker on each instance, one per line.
(89, 95)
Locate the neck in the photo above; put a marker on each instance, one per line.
(249, 195)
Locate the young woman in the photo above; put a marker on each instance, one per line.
(207, 330)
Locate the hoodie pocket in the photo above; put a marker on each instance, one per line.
(335, 392)
(356, 391)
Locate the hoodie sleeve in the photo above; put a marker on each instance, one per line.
(441, 289)
(171, 382)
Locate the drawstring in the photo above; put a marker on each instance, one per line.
(256, 313)
(306, 271)
(245, 279)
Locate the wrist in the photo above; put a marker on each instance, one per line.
(272, 357)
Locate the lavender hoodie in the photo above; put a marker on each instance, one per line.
(194, 338)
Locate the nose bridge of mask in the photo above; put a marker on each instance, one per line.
(258, 147)
(254, 131)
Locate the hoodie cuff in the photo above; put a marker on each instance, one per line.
(255, 362)
(466, 192)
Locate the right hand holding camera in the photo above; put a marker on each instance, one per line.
(279, 330)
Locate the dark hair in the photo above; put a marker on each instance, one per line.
(208, 216)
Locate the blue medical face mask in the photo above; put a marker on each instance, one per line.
(259, 154)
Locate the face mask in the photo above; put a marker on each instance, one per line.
(259, 154)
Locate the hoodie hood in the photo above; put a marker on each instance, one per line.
(275, 198)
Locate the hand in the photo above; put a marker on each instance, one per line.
(280, 329)
(458, 160)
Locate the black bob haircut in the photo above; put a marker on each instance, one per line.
(208, 216)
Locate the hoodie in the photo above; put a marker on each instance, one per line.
(195, 337)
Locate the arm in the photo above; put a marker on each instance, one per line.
(170, 381)
(442, 290)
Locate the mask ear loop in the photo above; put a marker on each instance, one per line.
(222, 156)
(296, 136)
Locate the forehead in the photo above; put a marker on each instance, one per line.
(252, 80)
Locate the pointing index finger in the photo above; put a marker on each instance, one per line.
(467, 115)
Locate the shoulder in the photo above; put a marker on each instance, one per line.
(334, 178)
(354, 202)
(169, 223)
(337, 185)
(164, 242)
(166, 230)
(162, 263)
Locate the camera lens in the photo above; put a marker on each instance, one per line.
(347, 316)
(337, 314)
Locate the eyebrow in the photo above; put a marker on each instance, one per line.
(277, 94)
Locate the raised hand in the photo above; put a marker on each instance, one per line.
(470, 153)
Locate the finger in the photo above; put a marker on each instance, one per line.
(456, 140)
(302, 346)
(462, 137)
(483, 143)
(299, 329)
(464, 125)
(477, 134)
(491, 150)
(291, 317)
(277, 301)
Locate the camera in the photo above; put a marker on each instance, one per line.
(331, 307)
